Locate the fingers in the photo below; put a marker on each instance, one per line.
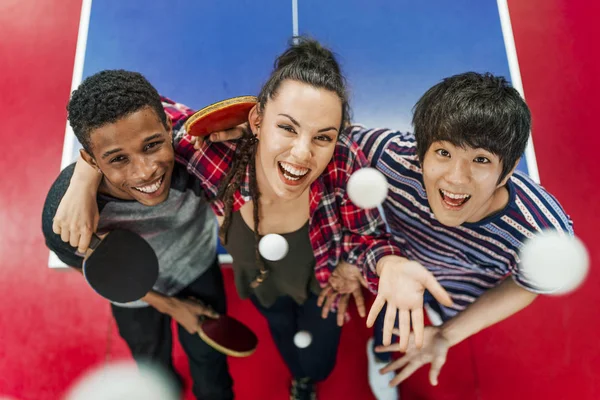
(342, 307)
(323, 295)
(405, 373)
(209, 312)
(404, 329)
(199, 308)
(84, 241)
(74, 239)
(65, 235)
(388, 324)
(191, 328)
(396, 364)
(436, 366)
(387, 349)
(328, 303)
(418, 326)
(197, 141)
(224, 136)
(360, 302)
(437, 290)
(56, 228)
(363, 281)
(375, 309)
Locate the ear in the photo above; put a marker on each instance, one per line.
(507, 177)
(89, 159)
(254, 120)
(170, 126)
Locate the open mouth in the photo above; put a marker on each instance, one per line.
(151, 188)
(291, 174)
(454, 200)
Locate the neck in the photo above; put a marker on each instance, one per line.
(496, 204)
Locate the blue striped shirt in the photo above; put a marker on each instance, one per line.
(468, 259)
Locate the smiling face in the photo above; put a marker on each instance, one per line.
(297, 133)
(136, 156)
(462, 183)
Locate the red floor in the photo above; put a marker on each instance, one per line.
(52, 328)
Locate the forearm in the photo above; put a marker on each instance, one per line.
(492, 307)
(160, 302)
(85, 176)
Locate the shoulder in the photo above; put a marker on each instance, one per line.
(540, 209)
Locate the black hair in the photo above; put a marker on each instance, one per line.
(474, 110)
(108, 96)
(307, 61)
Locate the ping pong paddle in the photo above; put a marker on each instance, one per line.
(121, 267)
(228, 336)
(220, 116)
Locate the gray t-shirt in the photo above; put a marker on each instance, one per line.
(182, 230)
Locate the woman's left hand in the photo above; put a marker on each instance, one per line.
(345, 282)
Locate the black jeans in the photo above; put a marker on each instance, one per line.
(148, 334)
(285, 319)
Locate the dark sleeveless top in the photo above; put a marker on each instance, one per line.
(293, 276)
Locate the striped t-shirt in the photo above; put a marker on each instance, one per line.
(468, 259)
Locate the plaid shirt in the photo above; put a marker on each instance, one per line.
(337, 228)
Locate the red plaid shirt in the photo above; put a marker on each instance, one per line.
(337, 228)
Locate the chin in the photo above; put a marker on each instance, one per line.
(449, 220)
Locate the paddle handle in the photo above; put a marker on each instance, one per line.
(95, 241)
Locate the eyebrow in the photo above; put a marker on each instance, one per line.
(298, 124)
(148, 139)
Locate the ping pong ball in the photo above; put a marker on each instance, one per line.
(273, 247)
(367, 188)
(302, 339)
(555, 262)
(124, 380)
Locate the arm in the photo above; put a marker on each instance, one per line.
(492, 307)
(77, 215)
(397, 281)
(185, 311)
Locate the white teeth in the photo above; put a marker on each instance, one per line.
(150, 188)
(454, 195)
(299, 172)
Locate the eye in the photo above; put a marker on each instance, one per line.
(443, 153)
(323, 138)
(152, 145)
(482, 160)
(287, 128)
(118, 159)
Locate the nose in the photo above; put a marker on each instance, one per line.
(301, 149)
(143, 168)
(458, 174)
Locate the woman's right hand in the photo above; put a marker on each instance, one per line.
(77, 215)
(220, 136)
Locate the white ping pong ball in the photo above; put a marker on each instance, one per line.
(302, 339)
(124, 380)
(273, 247)
(555, 262)
(367, 188)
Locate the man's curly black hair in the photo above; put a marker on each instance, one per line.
(108, 96)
